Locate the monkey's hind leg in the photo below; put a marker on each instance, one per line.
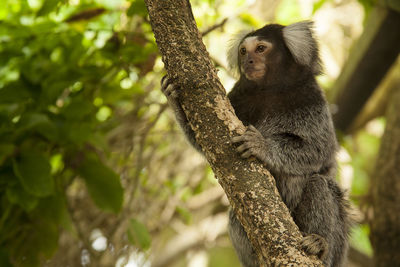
(321, 218)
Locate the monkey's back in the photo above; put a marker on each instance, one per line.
(300, 113)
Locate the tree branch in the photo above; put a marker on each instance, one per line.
(192, 237)
(216, 26)
(248, 185)
(385, 184)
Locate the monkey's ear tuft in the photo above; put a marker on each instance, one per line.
(302, 44)
(233, 51)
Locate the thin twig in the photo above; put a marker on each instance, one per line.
(216, 26)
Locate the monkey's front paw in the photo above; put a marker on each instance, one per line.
(253, 143)
(168, 88)
(314, 244)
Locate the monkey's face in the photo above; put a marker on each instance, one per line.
(253, 57)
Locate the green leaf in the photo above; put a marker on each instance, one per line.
(137, 7)
(4, 258)
(317, 5)
(103, 184)
(359, 239)
(33, 170)
(31, 120)
(288, 11)
(47, 7)
(14, 92)
(184, 214)
(9, 110)
(5, 151)
(47, 238)
(57, 163)
(78, 132)
(52, 90)
(3, 15)
(17, 195)
(40, 123)
(53, 209)
(250, 20)
(38, 240)
(77, 109)
(138, 234)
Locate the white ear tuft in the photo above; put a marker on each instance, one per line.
(233, 51)
(301, 43)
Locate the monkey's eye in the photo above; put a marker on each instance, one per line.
(260, 48)
(242, 51)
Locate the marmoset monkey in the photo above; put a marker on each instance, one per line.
(290, 130)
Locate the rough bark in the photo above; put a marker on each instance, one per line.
(248, 185)
(385, 185)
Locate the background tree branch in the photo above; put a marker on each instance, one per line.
(385, 185)
(249, 187)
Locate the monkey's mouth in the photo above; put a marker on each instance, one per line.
(254, 74)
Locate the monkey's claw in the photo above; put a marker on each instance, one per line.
(252, 143)
(168, 88)
(314, 244)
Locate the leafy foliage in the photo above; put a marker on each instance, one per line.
(103, 184)
(60, 81)
(138, 234)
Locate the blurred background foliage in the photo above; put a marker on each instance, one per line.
(93, 169)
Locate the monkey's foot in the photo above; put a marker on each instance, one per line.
(253, 143)
(168, 88)
(314, 244)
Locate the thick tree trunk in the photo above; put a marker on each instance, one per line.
(250, 188)
(385, 184)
